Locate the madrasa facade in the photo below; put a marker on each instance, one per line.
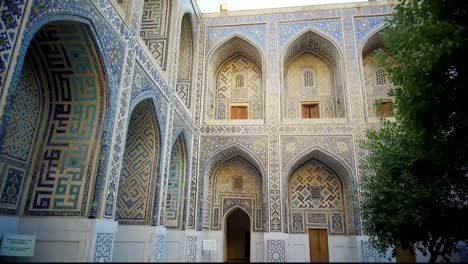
(148, 131)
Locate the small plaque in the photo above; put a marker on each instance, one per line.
(18, 245)
(209, 244)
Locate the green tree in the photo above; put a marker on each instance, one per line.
(415, 187)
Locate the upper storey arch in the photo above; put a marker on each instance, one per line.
(312, 79)
(155, 27)
(235, 81)
(185, 60)
(377, 86)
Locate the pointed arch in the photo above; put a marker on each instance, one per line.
(210, 168)
(176, 199)
(68, 100)
(217, 100)
(238, 207)
(311, 51)
(140, 166)
(186, 59)
(319, 160)
(376, 85)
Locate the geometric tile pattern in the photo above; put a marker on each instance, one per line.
(160, 248)
(281, 29)
(185, 61)
(183, 91)
(315, 189)
(231, 86)
(227, 197)
(22, 115)
(297, 222)
(154, 28)
(139, 166)
(298, 92)
(103, 247)
(337, 224)
(175, 185)
(275, 250)
(11, 18)
(374, 91)
(317, 218)
(370, 253)
(68, 158)
(11, 188)
(315, 19)
(310, 175)
(366, 25)
(190, 249)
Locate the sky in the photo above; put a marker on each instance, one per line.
(207, 6)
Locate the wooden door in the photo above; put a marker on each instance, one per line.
(318, 245)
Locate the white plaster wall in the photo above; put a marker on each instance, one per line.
(342, 249)
(134, 243)
(8, 225)
(175, 246)
(298, 245)
(61, 239)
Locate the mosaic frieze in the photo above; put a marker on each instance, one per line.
(295, 146)
(365, 26)
(255, 33)
(328, 27)
(117, 144)
(12, 18)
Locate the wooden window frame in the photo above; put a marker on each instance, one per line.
(310, 103)
(379, 112)
(232, 105)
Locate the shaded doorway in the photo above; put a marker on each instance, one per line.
(318, 245)
(238, 236)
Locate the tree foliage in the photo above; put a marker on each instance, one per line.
(416, 183)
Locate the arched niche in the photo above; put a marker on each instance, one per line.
(235, 79)
(214, 162)
(317, 185)
(155, 28)
(377, 86)
(312, 80)
(176, 199)
(53, 125)
(140, 166)
(185, 61)
(236, 183)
